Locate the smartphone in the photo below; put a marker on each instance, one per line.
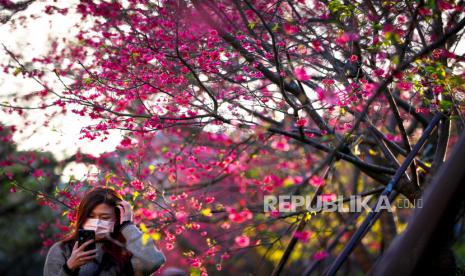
(85, 235)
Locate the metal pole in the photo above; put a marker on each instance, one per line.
(372, 216)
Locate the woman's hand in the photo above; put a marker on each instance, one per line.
(126, 213)
(79, 256)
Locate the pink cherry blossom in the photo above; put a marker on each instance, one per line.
(242, 241)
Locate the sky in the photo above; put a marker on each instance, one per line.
(62, 136)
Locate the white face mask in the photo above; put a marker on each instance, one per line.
(99, 226)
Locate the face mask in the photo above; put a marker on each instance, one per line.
(99, 226)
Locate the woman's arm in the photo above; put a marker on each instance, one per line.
(146, 258)
(55, 262)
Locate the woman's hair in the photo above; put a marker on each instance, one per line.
(93, 198)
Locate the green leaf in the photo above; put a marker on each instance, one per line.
(430, 69)
(17, 71)
(327, 137)
(377, 26)
(444, 104)
(88, 80)
(252, 173)
(335, 5)
(431, 4)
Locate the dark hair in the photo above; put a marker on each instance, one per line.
(112, 252)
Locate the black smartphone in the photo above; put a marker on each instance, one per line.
(85, 235)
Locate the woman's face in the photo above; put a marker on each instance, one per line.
(103, 212)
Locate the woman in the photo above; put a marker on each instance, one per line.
(120, 249)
